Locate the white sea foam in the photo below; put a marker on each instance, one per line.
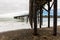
(14, 25)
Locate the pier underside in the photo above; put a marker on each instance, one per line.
(36, 5)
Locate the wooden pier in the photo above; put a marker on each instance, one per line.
(34, 6)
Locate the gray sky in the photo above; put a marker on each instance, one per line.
(9, 8)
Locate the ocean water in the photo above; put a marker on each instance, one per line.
(18, 20)
(45, 21)
(11, 24)
(9, 19)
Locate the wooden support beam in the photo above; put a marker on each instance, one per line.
(55, 18)
(45, 9)
(48, 14)
(41, 11)
(52, 5)
(31, 12)
(35, 17)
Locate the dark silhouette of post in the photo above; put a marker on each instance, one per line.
(41, 14)
(35, 17)
(48, 14)
(31, 12)
(55, 18)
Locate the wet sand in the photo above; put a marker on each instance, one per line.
(27, 34)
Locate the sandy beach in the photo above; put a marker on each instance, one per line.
(27, 34)
(16, 30)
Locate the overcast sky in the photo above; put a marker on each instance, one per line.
(7, 6)
(14, 7)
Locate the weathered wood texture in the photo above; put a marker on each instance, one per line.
(41, 19)
(31, 3)
(48, 14)
(31, 12)
(42, 2)
(33, 7)
(55, 18)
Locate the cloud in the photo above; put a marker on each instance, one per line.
(7, 6)
(12, 14)
(14, 7)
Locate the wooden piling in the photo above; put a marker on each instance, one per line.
(55, 18)
(35, 17)
(48, 14)
(31, 12)
(41, 19)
